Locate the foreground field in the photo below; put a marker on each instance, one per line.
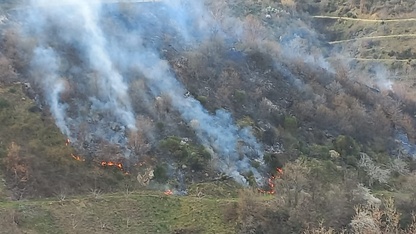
(139, 212)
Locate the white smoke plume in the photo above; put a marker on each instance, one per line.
(383, 78)
(76, 23)
(46, 59)
(98, 51)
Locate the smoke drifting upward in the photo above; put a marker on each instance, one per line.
(46, 64)
(103, 99)
(217, 132)
(102, 64)
(94, 52)
(382, 78)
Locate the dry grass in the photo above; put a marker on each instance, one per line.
(140, 212)
(289, 3)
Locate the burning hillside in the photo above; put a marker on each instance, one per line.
(202, 98)
(110, 54)
(271, 183)
(199, 86)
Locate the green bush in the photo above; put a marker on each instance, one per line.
(4, 104)
(290, 124)
(160, 126)
(194, 156)
(249, 176)
(246, 121)
(160, 174)
(272, 161)
(324, 171)
(202, 99)
(240, 96)
(346, 145)
(171, 144)
(319, 151)
(255, 164)
(3, 153)
(351, 160)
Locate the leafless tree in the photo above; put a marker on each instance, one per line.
(374, 172)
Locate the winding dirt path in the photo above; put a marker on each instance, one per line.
(373, 37)
(363, 20)
(382, 59)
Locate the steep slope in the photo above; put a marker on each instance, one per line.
(35, 159)
(132, 96)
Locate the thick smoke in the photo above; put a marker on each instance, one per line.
(215, 131)
(94, 51)
(77, 23)
(47, 61)
(107, 55)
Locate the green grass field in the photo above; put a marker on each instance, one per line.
(138, 212)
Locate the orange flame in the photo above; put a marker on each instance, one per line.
(112, 164)
(168, 192)
(78, 158)
(67, 142)
(271, 182)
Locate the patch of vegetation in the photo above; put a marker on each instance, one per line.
(194, 156)
(290, 124)
(135, 212)
(202, 99)
(346, 146)
(4, 104)
(32, 217)
(319, 151)
(161, 174)
(272, 161)
(35, 160)
(246, 121)
(240, 96)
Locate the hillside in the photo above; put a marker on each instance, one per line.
(376, 32)
(207, 117)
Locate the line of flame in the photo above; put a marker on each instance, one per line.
(112, 164)
(78, 158)
(271, 183)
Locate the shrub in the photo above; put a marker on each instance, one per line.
(246, 121)
(240, 96)
(319, 151)
(254, 216)
(272, 161)
(160, 174)
(346, 146)
(160, 126)
(195, 156)
(290, 124)
(202, 99)
(369, 219)
(4, 104)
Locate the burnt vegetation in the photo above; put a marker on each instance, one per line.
(338, 140)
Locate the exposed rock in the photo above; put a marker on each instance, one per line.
(334, 154)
